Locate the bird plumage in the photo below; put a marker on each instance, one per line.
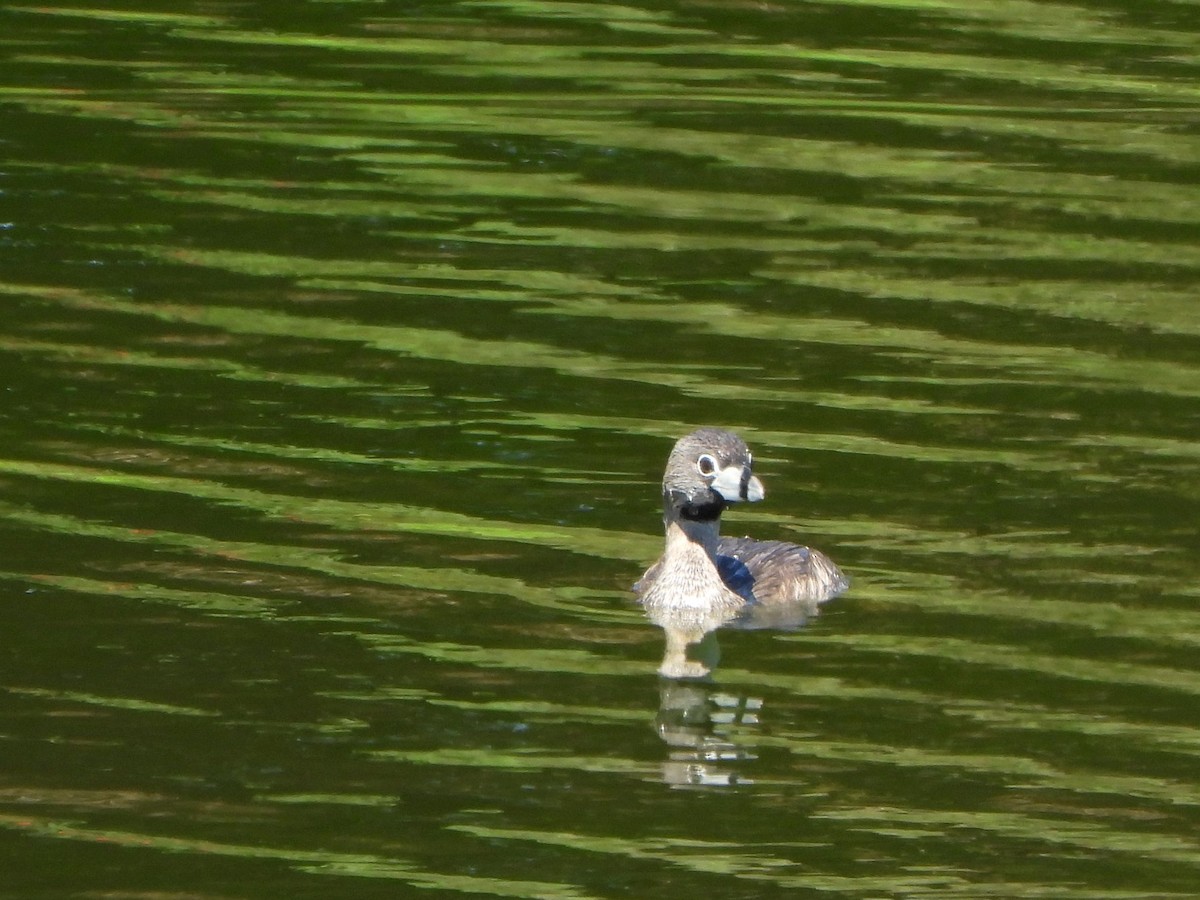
(703, 581)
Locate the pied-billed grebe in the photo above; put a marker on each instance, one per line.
(702, 580)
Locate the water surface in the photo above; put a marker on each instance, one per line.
(341, 354)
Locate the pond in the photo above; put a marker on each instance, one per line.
(343, 347)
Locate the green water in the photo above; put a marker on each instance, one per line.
(341, 348)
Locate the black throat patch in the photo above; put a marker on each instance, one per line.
(703, 512)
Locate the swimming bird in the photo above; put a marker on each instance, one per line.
(703, 580)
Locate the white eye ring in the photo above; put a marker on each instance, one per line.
(705, 464)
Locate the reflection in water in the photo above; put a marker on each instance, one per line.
(692, 649)
(704, 581)
(701, 727)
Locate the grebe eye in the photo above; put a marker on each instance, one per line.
(706, 464)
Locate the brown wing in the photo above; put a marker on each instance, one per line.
(784, 582)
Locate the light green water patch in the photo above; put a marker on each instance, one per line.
(340, 514)
(168, 113)
(223, 81)
(547, 712)
(1041, 364)
(238, 371)
(317, 862)
(325, 205)
(501, 232)
(427, 343)
(1029, 363)
(1173, 449)
(1105, 615)
(1055, 365)
(207, 602)
(131, 704)
(526, 710)
(983, 243)
(611, 15)
(1093, 836)
(469, 884)
(1016, 659)
(1022, 717)
(698, 856)
(506, 283)
(770, 864)
(402, 464)
(411, 47)
(1086, 81)
(1014, 16)
(1091, 129)
(529, 759)
(451, 347)
(1162, 307)
(516, 659)
(137, 17)
(1072, 23)
(1056, 22)
(923, 174)
(867, 445)
(1020, 546)
(1124, 736)
(183, 183)
(588, 662)
(757, 683)
(229, 82)
(800, 213)
(282, 558)
(379, 801)
(1044, 555)
(1017, 772)
(448, 55)
(558, 115)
